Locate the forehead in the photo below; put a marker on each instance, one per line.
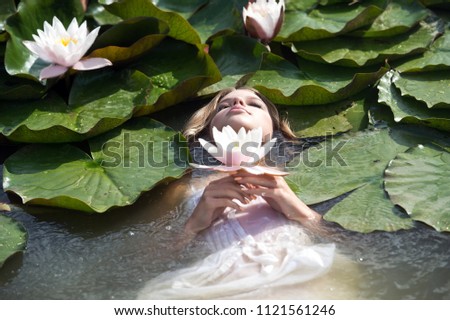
(241, 93)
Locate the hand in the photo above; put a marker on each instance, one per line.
(278, 195)
(218, 195)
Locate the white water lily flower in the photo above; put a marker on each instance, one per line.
(65, 48)
(239, 150)
(263, 18)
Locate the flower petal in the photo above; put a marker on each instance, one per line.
(257, 170)
(92, 63)
(52, 71)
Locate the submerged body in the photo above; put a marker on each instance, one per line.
(257, 253)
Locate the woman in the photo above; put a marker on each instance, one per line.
(255, 225)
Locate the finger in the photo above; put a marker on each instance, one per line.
(230, 193)
(223, 203)
(263, 192)
(263, 181)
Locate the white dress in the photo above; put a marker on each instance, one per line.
(257, 253)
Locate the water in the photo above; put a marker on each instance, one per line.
(71, 255)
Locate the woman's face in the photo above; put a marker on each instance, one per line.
(243, 108)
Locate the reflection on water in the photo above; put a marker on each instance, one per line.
(110, 256)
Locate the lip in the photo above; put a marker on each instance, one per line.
(237, 109)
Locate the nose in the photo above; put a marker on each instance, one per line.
(239, 102)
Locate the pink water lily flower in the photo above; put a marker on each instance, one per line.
(240, 150)
(263, 19)
(65, 48)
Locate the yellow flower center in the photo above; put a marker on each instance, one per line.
(65, 41)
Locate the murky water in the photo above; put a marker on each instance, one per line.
(110, 256)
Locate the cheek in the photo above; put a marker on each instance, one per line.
(266, 123)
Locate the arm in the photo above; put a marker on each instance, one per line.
(279, 196)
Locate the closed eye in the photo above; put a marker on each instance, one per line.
(222, 106)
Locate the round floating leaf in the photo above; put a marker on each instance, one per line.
(185, 8)
(101, 16)
(354, 162)
(436, 58)
(177, 70)
(15, 88)
(219, 17)
(429, 87)
(409, 110)
(397, 18)
(326, 22)
(7, 8)
(310, 121)
(311, 84)
(343, 164)
(98, 102)
(30, 17)
(130, 39)
(235, 56)
(13, 238)
(418, 181)
(357, 52)
(179, 28)
(368, 209)
(125, 162)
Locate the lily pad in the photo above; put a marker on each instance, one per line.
(123, 163)
(343, 164)
(326, 22)
(98, 102)
(179, 28)
(21, 26)
(407, 109)
(353, 162)
(130, 39)
(398, 17)
(433, 88)
(368, 209)
(310, 121)
(7, 8)
(177, 70)
(13, 238)
(235, 56)
(15, 88)
(357, 52)
(311, 83)
(219, 17)
(436, 58)
(184, 8)
(418, 181)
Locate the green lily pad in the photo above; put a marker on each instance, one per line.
(100, 15)
(343, 164)
(354, 162)
(433, 88)
(179, 28)
(21, 26)
(177, 70)
(398, 17)
(235, 56)
(15, 88)
(123, 163)
(418, 181)
(436, 58)
(311, 121)
(130, 39)
(326, 22)
(13, 238)
(98, 102)
(407, 109)
(368, 209)
(219, 17)
(184, 8)
(310, 83)
(7, 8)
(357, 52)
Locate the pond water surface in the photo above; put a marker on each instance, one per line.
(71, 255)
